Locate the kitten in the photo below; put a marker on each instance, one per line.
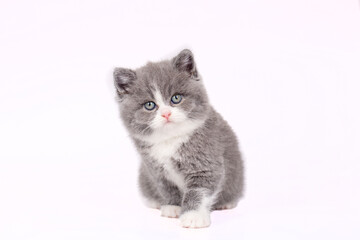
(191, 163)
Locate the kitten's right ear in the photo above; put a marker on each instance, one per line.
(123, 78)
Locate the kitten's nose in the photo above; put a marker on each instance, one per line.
(166, 115)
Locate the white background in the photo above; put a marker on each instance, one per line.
(285, 74)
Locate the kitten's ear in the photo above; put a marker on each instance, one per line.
(184, 61)
(123, 78)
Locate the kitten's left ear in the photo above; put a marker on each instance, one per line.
(184, 61)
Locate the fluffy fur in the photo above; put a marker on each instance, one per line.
(191, 163)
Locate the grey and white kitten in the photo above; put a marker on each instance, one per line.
(191, 162)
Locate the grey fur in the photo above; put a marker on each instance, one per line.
(209, 161)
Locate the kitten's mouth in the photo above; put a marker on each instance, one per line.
(168, 122)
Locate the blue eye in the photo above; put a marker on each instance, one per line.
(149, 106)
(176, 99)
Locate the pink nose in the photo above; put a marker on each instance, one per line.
(166, 115)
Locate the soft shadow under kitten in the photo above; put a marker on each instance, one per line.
(191, 162)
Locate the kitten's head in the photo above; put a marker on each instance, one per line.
(166, 97)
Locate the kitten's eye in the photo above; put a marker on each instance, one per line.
(149, 106)
(176, 99)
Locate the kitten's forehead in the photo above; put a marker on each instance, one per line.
(160, 78)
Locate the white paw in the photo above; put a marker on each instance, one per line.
(170, 211)
(195, 219)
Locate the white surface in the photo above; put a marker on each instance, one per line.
(285, 74)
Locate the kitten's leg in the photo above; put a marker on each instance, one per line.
(170, 206)
(150, 193)
(159, 193)
(201, 192)
(196, 208)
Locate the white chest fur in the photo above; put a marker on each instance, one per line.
(163, 152)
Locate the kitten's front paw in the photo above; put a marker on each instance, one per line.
(195, 219)
(170, 211)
